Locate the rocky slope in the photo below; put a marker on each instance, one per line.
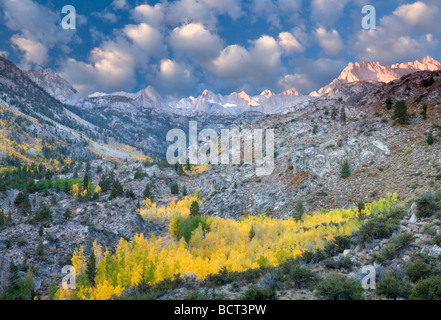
(55, 85)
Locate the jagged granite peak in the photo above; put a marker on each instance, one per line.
(362, 72)
(236, 103)
(244, 96)
(146, 98)
(267, 93)
(426, 64)
(291, 92)
(149, 97)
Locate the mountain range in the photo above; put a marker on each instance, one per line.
(354, 81)
(141, 119)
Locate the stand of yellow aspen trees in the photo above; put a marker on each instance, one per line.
(227, 244)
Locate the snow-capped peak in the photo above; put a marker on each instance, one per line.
(267, 93)
(378, 72)
(362, 71)
(205, 93)
(291, 92)
(244, 96)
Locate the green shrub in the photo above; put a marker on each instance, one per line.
(396, 214)
(393, 286)
(427, 289)
(436, 239)
(302, 277)
(205, 295)
(255, 293)
(377, 228)
(398, 244)
(389, 252)
(405, 239)
(43, 214)
(339, 288)
(430, 230)
(338, 245)
(342, 263)
(418, 270)
(224, 276)
(426, 207)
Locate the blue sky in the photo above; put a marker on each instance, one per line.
(182, 47)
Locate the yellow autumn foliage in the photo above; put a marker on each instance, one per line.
(227, 244)
(151, 212)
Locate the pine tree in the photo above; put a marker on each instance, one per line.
(252, 233)
(361, 206)
(299, 210)
(430, 139)
(130, 194)
(2, 218)
(147, 192)
(67, 214)
(66, 186)
(86, 181)
(117, 190)
(424, 112)
(345, 170)
(179, 169)
(389, 103)
(194, 209)
(184, 191)
(174, 188)
(400, 113)
(91, 269)
(30, 188)
(53, 287)
(40, 248)
(343, 114)
(43, 214)
(28, 286)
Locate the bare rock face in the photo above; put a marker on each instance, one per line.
(55, 85)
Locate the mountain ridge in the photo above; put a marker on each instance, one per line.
(369, 71)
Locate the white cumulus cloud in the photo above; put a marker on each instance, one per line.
(289, 43)
(196, 41)
(329, 41)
